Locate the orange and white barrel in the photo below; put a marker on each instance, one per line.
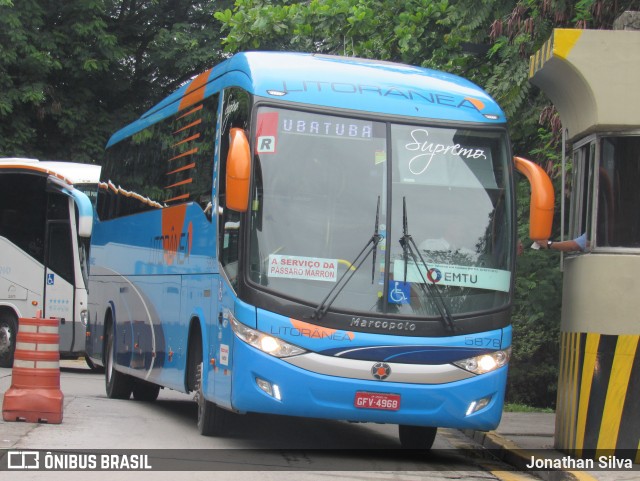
(35, 395)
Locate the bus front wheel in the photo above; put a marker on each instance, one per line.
(210, 416)
(417, 437)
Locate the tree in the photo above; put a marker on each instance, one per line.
(396, 31)
(73, 72)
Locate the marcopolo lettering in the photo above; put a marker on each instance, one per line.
(386, 325)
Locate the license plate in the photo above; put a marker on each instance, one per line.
(374, 400)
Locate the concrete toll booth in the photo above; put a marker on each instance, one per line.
(593, 78)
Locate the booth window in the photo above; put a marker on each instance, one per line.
(582, 193)
(618, 222)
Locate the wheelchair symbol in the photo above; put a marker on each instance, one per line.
(399, 294)
(50, 279)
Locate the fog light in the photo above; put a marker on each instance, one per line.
(271, 389)
(265, 386)
(478, 404)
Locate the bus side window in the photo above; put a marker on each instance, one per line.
(22, 221)
(235, 114)
(167, 164)
(60, 250)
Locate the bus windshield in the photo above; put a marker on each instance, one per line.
(324, 186)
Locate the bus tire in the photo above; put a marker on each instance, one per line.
(417, 437)
(145, 391)
(118, 385)
(210, 416)
(8, 332)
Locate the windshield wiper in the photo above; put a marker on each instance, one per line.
(409, 248)
(372, 245)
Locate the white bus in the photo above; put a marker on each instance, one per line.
(46, 215)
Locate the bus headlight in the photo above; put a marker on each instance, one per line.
(485, 362)
(268, 344)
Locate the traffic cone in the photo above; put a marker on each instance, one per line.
(35, 395)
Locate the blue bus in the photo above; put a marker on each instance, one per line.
(317, 236)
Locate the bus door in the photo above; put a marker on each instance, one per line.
(59, 269)
(69, 217)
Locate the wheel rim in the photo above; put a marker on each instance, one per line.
(109, 369)
(5, 340)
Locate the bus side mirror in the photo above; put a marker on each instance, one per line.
(238, 171)
(542, 199)
(85, 208)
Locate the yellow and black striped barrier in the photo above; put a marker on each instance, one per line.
(598, 409)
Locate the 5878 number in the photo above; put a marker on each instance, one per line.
(482, 342)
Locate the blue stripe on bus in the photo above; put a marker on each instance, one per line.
(420, 354)
(359, 345)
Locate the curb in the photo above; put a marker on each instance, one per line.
(510, 453)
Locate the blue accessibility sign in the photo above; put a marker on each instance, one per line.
(399, 292)
(50, 279)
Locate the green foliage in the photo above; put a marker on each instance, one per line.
(536, 320)
(523, 408)
(397, 31)
(73, 72)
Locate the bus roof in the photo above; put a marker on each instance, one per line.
(70, 172)
(335, 82)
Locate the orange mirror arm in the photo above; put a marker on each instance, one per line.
(542, 198)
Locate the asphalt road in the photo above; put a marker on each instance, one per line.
(264, 446)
